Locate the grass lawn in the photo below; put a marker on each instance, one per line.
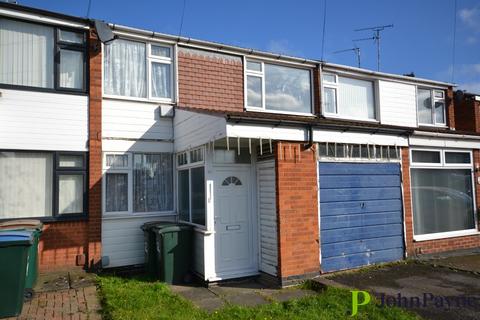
(137, 298)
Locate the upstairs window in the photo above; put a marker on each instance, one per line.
(348, 97)
(279, 88)
(431, 107)
(138, 70)
(39, 56)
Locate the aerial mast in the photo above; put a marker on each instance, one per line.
(376, 37)
(355, 49)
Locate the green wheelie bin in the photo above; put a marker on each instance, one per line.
(174, 252)
(14, 246)
(36, 227)
(150, 246)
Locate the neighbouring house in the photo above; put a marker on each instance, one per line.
(286, 167)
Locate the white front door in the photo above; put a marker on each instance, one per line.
(234, 223)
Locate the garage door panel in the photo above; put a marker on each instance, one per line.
(358, 233)
(357, 194)
(360, 259)
(359, 246)
(360, 181)
(331, 168)
(359, 207)
(359, 220)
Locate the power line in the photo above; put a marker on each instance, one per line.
(323, 29)
(181, 20)
(88, 8)
(454, 39)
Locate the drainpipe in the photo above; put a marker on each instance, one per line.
(310, 137)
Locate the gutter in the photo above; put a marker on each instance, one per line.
(212, 46)
(445, 135)
(341, 127)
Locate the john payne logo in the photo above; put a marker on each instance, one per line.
(363, 298)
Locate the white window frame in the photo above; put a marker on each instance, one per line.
(372, 159)
(445, 166)
(149, 58)
(129, 170)
(433, 99)
(261, 75)
(331, 85)
(189, 166)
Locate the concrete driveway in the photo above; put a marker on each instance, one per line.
(432, 292)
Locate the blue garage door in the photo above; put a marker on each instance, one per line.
(360, 214)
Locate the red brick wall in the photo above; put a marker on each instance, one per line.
(432, 246)
(94, 252)
(467, 115)
(60, 244)
(450, 109)
(210, 80)
(297, 210)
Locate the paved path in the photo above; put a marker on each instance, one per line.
(243, 293)
(428, 283)
(64, 295)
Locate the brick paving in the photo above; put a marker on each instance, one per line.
(63, 303)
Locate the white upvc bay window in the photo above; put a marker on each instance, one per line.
(277, 88)
(348, 98)
(443, 193)
(139, 70)
(138, 183)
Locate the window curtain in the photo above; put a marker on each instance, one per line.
(153, 182)
(356, 98)
(26, 181)
(125, 69)
(442, 200)
(26, 54)
(424, 105)
(161, 80)
(70, 194)
(71, 69)
(116, 192)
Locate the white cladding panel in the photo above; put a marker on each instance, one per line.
(267, 215)
(134, 120)
(194, 129)
(397, 103)
(122, 239)
(43, 121)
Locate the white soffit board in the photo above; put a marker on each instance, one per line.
(359, 137)
(267, 132)
(36, 17)
(443, 143)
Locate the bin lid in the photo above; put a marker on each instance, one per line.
(12, 238)
(22, 224)
(172, 228)
(152, 224)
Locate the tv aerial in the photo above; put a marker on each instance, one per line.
(376, 38)
(355, 49)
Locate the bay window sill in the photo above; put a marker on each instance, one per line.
(138, 99)
(291, 113)
(130, 215)
(446, 235)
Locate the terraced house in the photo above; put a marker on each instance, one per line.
(286, 167)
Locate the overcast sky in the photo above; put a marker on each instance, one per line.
(420, 42)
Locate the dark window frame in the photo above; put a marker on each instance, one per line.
(56, 172)
(56, 61)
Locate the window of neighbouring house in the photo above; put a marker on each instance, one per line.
(348, 97)
(442, 193)
(138, 183)
(138, 70)
(29, 53)
(42, 184)
(191, 186)
(274, 87)
(431, 107)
